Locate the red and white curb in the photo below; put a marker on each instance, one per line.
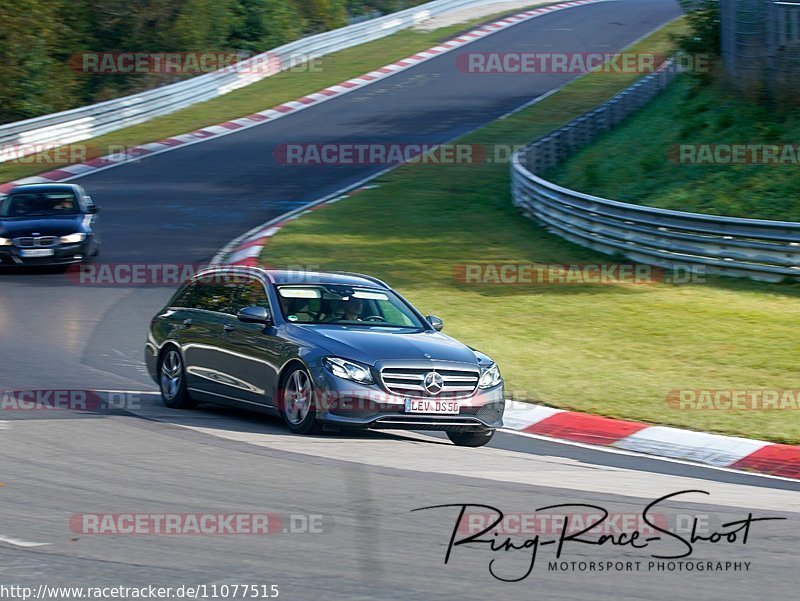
(700, 447)
(210, 132)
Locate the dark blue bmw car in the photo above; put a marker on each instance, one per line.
(334, 349)
(47, 224)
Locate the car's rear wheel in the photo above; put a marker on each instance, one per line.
(172, 381)
(297, 402)
(470, 439)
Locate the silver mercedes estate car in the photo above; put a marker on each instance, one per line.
(320, 349)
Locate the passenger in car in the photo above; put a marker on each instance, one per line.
(333, 310)
(298, 310)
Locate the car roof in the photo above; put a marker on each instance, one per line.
(298, 277)
(325, 277)
(44, 188)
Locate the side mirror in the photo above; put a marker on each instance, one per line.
(436, 322)
(254, 315)
(92, 210)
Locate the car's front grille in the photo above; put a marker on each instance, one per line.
(490, 413)
(428, 422)
(37, 242)
(356, 408)
(354, 413)
(410, 381)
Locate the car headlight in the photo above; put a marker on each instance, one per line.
(491, 377)
(5, 242)
(348, 370)
(73, 238)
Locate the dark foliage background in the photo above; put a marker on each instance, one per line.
(38, 37)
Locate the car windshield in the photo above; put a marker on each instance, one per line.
(34, 204)
(345, 305)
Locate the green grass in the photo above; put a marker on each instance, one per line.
(272, 91)
(630, 163)
(607, 349)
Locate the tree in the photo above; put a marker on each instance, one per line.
(43, 43)
(34, 83)
(704, 27)
(323, 15)
(204, 25)
(259, 25)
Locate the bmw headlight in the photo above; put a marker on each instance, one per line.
(73, 238)
(348, 370)
(5, 242)
(490, 377)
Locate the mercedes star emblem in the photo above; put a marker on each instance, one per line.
(433, 382)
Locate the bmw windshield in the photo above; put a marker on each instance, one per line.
(345, 305)
(39, 204)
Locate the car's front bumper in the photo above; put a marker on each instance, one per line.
(399, 420)
(63, 254)
(352, 405)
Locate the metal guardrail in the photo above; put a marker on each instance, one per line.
(754, 248)
(86, 122)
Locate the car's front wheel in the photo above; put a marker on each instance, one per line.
(172, 381)
(297, 402)
(470, 439)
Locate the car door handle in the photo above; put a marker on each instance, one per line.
(229, 328)
(187, 322)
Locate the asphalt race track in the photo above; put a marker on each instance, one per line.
(181, 207)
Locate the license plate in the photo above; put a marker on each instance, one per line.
(432, 406)
(37, 252)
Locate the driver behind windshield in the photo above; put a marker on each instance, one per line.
(344, 310)
(64, 205)
(353, 308)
